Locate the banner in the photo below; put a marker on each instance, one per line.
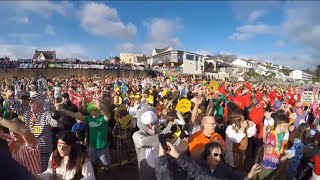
(68, 66)
(39, 65)
(25, 65)
(139, 68)
(111, 67)
(307, 97)
(93, 66)
(55, 65)
(84, 66)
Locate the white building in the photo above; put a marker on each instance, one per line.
(300, 75)
(220, 75)
(246, 65)
(261, 70)
(178, 61)
(280, 76)
(130, 58)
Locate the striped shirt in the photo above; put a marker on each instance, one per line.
(26, 155)
(48, 104)
(41, 128)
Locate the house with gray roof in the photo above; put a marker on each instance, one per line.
(178, 60)
(44, 55)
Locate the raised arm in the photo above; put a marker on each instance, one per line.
(14, 104)
(20, 129)
(76, 115)
(103, 109)
(52, 122)
(197, 101)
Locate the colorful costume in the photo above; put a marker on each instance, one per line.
(146, 140)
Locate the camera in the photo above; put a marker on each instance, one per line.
(55, 114)
(163, 137)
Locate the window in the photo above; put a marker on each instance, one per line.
(201, 68)
(189, 57)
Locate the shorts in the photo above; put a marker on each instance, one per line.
(102, 154)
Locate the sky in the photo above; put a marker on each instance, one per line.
(286, 32)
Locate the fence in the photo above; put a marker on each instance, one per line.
(44, 65)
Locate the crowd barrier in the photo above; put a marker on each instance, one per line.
(78, 66)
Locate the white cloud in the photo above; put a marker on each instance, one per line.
(26, 36)
(243, 9)
(20, 19)
(256, 15)
(161, 33)
(238, 36)
(101, 20)
(280, 43)
(43, 8)
(302, 26)
(50, 30)
(203, 52)
(162, 29)
(16, 51)
(72, 51)
(302, 23)
(293, 61)
(246, 32)
(226, 52)
(257, 28)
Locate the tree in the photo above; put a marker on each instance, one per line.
(117, 59)
(209, 66)
(318, 72)
(271, 75)
(286, 71)
(226, 57)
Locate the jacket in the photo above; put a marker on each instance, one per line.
(195, 170)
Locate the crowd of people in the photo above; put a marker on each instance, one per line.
(183, 127)
(63, 63)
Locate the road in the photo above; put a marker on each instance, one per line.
(120, 173)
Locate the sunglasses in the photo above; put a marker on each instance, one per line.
(217, 154)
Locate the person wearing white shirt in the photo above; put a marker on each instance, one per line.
(57, 92)
(67, 162)
(236, 133)
(268, 124)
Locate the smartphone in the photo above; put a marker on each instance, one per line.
(163, 142)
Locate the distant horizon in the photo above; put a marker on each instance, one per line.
(281, 32)
(111, 58)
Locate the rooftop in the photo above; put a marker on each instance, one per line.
(46, 54)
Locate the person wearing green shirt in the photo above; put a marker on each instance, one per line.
(98, 131)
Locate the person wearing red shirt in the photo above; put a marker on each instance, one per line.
(23, 145)
(316, 166)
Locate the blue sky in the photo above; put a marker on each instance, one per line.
(286, 33)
